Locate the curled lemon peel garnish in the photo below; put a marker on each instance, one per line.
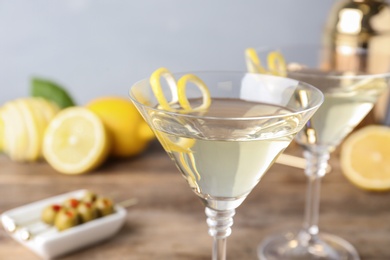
(181, 91)
(192, 177)
(275, 62)
(181, 145)
(253, 62)
(155, 82)
(178, 91)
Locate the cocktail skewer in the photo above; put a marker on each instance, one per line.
(11, 226)
(294, 161)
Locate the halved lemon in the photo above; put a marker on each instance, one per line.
(15, 132)
(24, 122)
(75, 141)
(365, 158)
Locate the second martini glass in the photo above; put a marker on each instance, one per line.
(351, 79)
(224, 137)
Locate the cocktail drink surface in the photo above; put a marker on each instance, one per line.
(347, 100)
(224, 149)
(351, 80)
(224, 164)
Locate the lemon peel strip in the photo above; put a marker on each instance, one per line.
(253, 62)
(157, 89)
(181, 90)
(178, 90)
(192, 160)
(191, 175)
(183, 145)
(275, 62)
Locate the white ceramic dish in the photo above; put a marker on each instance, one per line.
(49, 243)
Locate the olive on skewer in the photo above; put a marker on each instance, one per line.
(105, 206)
(87, 211)
(49, 213)
(71, 203)
(66, 218)
(89, 196)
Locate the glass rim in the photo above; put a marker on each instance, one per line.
(241, 118)
(319, 48)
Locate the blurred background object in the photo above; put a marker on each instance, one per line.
(359, 23)
(101, 47)
(365, 24)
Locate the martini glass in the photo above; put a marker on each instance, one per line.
(223, 150)
(351, 79)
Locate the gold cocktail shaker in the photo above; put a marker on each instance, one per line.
(359, 23)
(364, 24)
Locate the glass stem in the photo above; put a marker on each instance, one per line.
(219, 223)
(317, 164)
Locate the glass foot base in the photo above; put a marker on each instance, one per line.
(300, 245)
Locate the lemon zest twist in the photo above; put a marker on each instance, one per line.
(275, 62)
(181, 91)
(178, 90)
(157, 89)
(179, 95)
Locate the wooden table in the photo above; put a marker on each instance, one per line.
(169, 221)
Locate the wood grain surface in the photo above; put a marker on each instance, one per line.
(169, 220)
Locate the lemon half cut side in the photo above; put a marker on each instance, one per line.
(365, 158)
(75, 141)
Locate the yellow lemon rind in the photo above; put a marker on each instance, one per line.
(15, 131)
(178, 91)
(128, 137)
(155, 82)
(275, 62)
(24, 121)
(33, 145)
(181, 90)
(253, 62)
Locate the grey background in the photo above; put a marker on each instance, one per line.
(101, 47)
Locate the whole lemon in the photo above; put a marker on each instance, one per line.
(129, 133)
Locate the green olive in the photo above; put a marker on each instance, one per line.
(66, 218)
(89, 196)
(87, 211)
(71, 203)
(49, 213)
(104, 206)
